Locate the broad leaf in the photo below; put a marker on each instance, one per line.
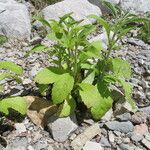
(67, 108)
(11, 67)
(99, 103)
(121, 68)
(48, 75)
(43, 89)
(128, 88)
(89, 94)
(90, 78)
(62, 88)
(16, 103)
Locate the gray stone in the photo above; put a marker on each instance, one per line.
(140, 6)
(41, 145)
(18, 144)
(123, 127)
(14, 20)
(146, 110)
(126, 147)
(80, 8)
(104, 142)
(124, 117)
(136, 137)
(61, 128)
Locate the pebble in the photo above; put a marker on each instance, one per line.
(146, 110)
(20, 127)
(111, 137)
(61, 128)
(136, 137)
(126, 147)
(124, 117)
(104, 142)
(123, 127)
(92, 146)
(139, 118)
(146, 143)
(141, 129)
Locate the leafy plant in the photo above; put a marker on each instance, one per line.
(17, 103)
(82, 72)
(3, 39)
(144, 30)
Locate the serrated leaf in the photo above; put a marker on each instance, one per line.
(98, 102)
(10, 66)
(128, 89)
(121, 68)
(16, 103)
(62, 88)
(48, 75)
(67, 108)
(89, 94)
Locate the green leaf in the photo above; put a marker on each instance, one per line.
(128, 89)
(121, 68)
(48, 75)
(1, 88)
(98, 103)
(89, 94)
(90, 78)
(7, 65)
(62, 88)
(43, 89)
(42, 20)
(3, 39)
(101, 21)
(37, 48)
(97, 45)
(16, 103)
(67, 108)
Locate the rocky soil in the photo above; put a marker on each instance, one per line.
(119, 129)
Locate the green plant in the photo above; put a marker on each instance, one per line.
(83, 71)
(3, 39)
(144, 30)
(17, 103)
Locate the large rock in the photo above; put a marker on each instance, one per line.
(80, 8)
(14, 19)
(138, 6)
(61, 128)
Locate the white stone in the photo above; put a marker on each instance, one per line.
(20, 127)
(80, 8)
(14, 20)
(92, 146)
(137, 6)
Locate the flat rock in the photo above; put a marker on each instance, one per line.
(123, 127)
(92, 146)
(126, 147)
(14, 20)
(87, 135)
(61, 128)
(80, 8)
